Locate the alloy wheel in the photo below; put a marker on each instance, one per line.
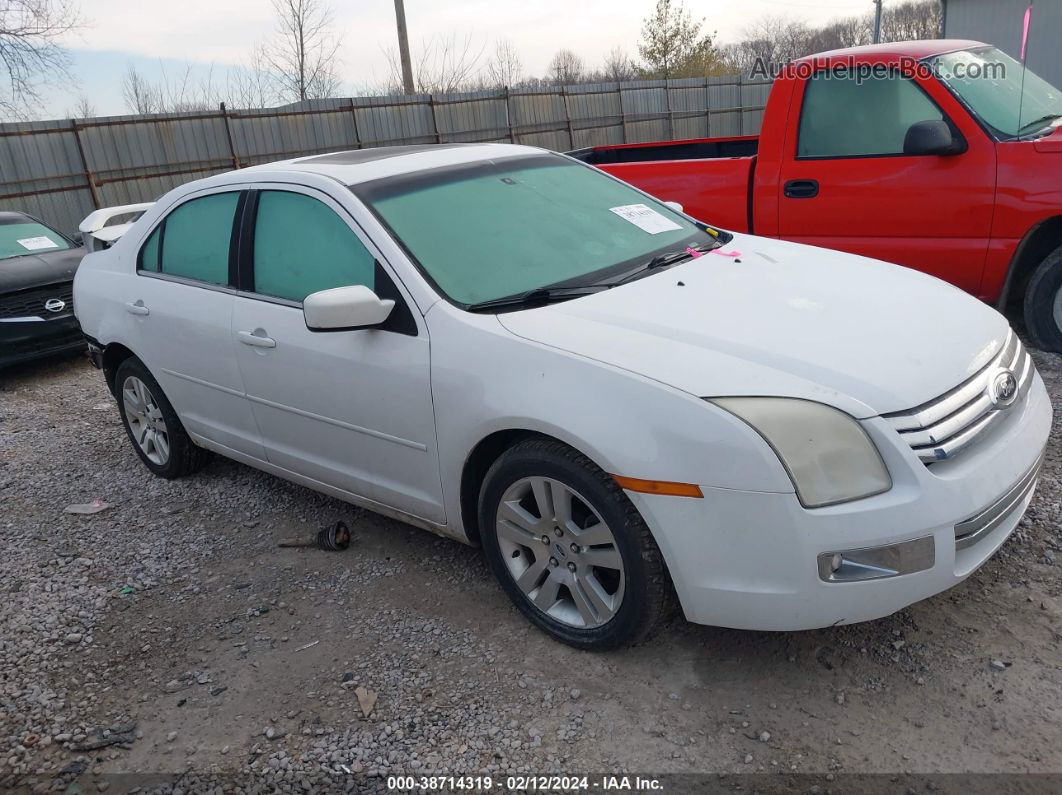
(560, 552)
(145, 420)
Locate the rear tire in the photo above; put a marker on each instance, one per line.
(585, 568)
(152, 425)
(1043, 303)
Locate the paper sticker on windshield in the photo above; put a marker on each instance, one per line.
(37, 243)
(645, 218)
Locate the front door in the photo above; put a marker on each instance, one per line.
(350, 409)
(846, 184)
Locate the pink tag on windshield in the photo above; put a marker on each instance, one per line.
(694, 252)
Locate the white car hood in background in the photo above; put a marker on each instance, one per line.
(781, 319)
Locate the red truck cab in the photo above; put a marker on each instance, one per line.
(927, 154)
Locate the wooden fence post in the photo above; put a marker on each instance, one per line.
(354, 122)
(89, 177)
(670, 115)
(568, 117)
(509, 117)
(623, 112)
(707, 108)
(228, 135)
(434, 119)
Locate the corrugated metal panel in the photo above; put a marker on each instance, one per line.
(999, 22)
(44, 171)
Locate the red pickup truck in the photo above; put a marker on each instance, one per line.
(925, 154)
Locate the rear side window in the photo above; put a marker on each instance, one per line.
(193, 241)
(846, 117)
(302, 246)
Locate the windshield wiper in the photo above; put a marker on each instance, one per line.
(663, 260)
(537, 297)
(1036, 124)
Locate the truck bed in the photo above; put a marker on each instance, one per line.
(710, 177)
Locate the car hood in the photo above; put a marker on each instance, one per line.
(766, 317)
(35, 270)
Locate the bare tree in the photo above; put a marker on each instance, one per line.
(504, 67)
(30, 49)
(618, 66)
(445, 64)
(140, 94)
(250, 85)
(566, 68)
(303, 55)
(914, 19)
(84, 109)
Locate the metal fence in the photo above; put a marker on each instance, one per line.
(62, 170)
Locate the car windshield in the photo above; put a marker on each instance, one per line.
(992, 84)
(28, 237)
(499, 228)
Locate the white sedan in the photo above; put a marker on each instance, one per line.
(623, 406)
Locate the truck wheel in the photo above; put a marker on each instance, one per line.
(1043, 303)
(570, 549)
(152, 425)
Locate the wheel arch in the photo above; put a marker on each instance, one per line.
(1034, 248)
(114, 354)
(482, 456)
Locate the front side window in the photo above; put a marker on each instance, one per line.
(846, 116)
(302, 246)
(495, 229)
(1005, 96)
(22, 237)
(194, 240)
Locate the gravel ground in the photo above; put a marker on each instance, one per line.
(169, 636)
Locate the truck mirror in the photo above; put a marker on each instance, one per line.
(933, 137)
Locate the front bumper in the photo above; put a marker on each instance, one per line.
(22, 340)
(751, 560)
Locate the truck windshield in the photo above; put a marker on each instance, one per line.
(28, 237)
(497, 228)
(991, 83)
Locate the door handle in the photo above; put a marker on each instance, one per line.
(256, 338)
(801, 189)
(137, 308)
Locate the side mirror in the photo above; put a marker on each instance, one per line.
(674, 206)
(932, 138)
(345, 309)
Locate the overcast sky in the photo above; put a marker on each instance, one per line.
(161, 35)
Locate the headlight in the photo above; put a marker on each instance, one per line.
(828, 455)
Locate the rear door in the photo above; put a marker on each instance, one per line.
(846, 184)
(349, 409)
(179, 314)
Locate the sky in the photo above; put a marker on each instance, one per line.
(160, 37)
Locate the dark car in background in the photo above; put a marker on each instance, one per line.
(37, 266)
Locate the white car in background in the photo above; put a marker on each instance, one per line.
(620, 404)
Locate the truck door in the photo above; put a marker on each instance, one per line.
(846, 183)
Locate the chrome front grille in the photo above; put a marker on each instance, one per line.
(30, 303)
(969, 531)
(943, 427)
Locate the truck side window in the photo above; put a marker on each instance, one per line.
(846, 117)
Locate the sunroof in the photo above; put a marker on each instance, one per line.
(356, 156)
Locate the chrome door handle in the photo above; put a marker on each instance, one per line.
(137, 308)
(257, 338)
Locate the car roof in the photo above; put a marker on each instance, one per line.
(892, 50)
(13, 217)
(361, 165)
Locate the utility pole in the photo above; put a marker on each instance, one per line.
(403, 47)
(877, 21)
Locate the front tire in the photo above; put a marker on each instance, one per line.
(1043, 303)
(570, 549)
(152, 425)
